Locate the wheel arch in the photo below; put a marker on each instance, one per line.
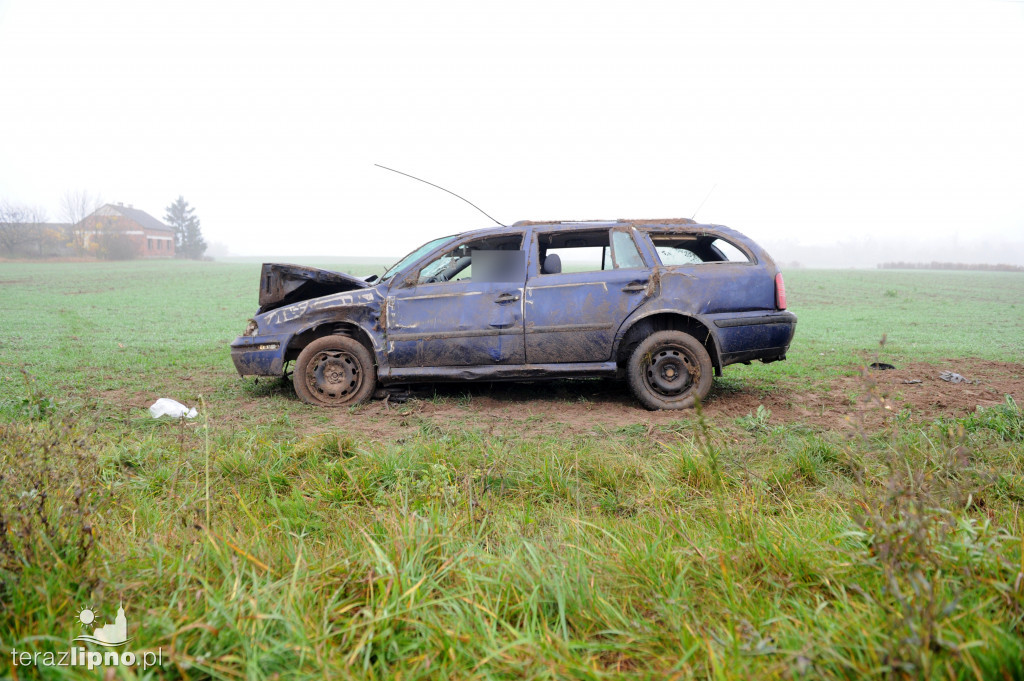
(330, 328)
(634, 330)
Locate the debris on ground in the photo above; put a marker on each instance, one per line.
(168, 407)
(912, 381)
(881, 366)
(394, 395)
(952, 377)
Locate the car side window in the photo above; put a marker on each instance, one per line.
(676, 254)
(497, 259)
(729, 251)
(695, 249)
(624, 251)
(586, 251)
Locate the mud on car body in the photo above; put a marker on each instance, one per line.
(665, 304)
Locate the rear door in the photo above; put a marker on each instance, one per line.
(463, 308)
(572, 315)
(718, 275)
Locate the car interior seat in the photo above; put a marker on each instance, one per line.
(552, 264)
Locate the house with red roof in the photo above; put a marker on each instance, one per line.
(149, 237)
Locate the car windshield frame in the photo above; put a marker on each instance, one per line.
(416, 255)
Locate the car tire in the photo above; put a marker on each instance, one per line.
(670, 370)
(334, 371)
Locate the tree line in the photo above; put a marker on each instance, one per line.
(27, 232)
(984, 267)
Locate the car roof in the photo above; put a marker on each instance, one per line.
(647, 224)
(611, 223)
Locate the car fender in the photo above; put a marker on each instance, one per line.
(363, 310)
(646, 311)
(367, 330)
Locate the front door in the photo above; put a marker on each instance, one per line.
(451, 313)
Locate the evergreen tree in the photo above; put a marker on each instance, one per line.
(188, 238)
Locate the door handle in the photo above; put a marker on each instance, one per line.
(506, 298)
(635, 287)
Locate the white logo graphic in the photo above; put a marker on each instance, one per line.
(109, 635)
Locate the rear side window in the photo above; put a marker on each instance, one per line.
(696, 249)
(730, 251)
(590, 251)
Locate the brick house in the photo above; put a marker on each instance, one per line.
(150, 237)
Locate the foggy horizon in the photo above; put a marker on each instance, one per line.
(787, 254)
(840, 134)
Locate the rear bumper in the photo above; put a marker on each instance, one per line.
(754, 335)
(259, 355)
(756, 319)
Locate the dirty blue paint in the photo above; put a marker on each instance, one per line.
(541, 325)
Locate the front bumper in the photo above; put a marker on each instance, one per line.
(259, 355)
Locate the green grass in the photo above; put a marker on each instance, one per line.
(924, 316)
(697, 548)
(138, 325)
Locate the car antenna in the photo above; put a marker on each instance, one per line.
(442, 189)
(703, 202)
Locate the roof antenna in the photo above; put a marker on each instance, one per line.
(441, 188)
(703, 202)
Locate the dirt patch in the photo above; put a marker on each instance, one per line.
(866, 397)
(571, 407)
(588, 406)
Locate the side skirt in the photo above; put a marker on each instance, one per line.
(503, 372)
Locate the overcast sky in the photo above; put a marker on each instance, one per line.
(815, 122)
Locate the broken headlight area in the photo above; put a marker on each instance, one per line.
(251, 328)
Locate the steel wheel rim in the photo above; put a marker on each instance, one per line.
(333, 375)
(671, 371)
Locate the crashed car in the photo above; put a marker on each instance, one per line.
(665, 304)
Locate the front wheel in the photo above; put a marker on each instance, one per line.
(334, 371)
(670, 370)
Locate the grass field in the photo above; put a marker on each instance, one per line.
(812, 521)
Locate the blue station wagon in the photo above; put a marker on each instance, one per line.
(665, 304)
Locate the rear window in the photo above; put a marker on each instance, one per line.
(695, 249)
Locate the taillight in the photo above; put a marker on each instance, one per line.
(780, 292)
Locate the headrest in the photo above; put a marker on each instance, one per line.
(552, 264)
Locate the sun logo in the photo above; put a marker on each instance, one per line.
(87, 616)
(113, 634)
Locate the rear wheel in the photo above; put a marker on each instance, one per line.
(334, 371)
(670, 370)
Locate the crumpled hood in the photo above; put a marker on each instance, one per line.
(283, 284)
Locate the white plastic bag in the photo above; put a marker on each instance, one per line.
(168, 407)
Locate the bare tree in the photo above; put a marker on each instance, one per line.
(75, 206)
(16, 226)
(45, 238)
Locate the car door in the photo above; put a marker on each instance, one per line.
(572, 316)
(463, 308)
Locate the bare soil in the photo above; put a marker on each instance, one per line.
(862, 399)
(865, 399)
